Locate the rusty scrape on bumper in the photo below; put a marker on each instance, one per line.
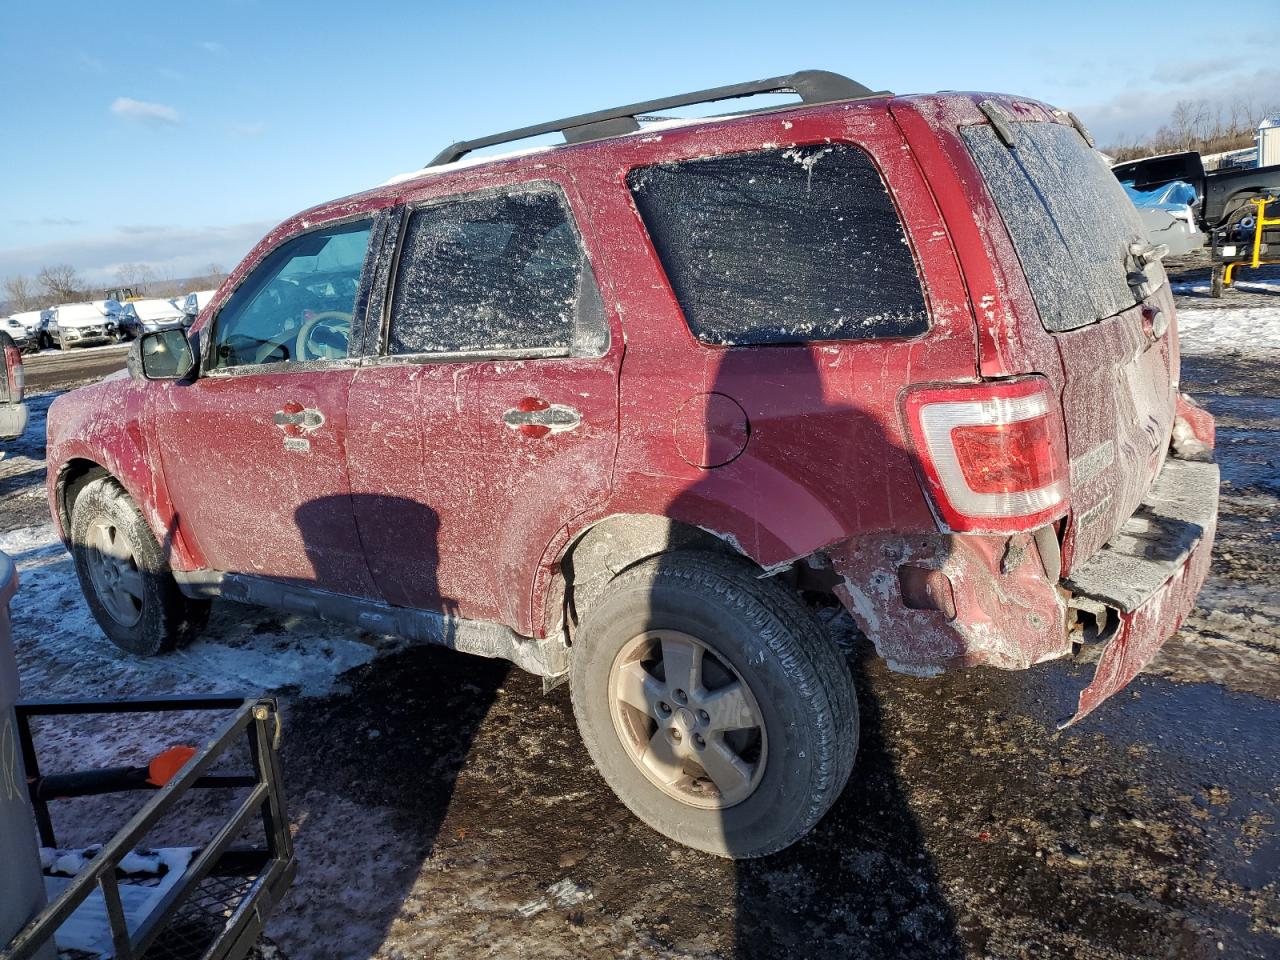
(1151, 572)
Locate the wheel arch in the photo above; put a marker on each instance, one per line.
(615, 543)
(134, 474)
(73, 476)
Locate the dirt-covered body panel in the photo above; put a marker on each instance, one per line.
(462, 482)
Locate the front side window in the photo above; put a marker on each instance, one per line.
(298, 304)
(492, 274)
(782, 246)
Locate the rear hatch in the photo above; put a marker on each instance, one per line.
(1075, 233)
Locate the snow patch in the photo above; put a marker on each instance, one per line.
(1218, 330)
(63, 653)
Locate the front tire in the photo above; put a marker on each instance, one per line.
(125, 577)
(714, 704)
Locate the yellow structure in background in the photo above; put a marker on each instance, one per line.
(1260, 223)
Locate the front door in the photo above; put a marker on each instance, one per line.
(488, 421)
(254, 450)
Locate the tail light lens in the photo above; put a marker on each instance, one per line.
(15, 378)
(993, 455)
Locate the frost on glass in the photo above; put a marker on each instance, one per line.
(782, 246)
(1069, 218)
(487, 274)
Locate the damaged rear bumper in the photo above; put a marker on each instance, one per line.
(932, 602)
(1150, 573)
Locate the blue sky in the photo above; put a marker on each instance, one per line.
(175, 134)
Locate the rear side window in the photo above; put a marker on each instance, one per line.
(1070, 220)
(782, 246)
(495, 273)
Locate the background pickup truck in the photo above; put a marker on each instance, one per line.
(1219, 193)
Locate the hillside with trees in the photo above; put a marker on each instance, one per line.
(1203, 126)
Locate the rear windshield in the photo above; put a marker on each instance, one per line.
(1070, 220)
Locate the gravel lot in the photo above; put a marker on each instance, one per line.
(443, 806)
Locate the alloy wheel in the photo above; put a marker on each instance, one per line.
(687, 719)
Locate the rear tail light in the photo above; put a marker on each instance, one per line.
(993, 455)
(15, 378)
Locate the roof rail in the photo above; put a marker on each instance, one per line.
(812, 86)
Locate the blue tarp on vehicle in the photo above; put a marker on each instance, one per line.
(1175, 195)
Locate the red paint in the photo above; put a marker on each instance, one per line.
(1200, 420)
(710, 430)
(425, 497)
(532, 405)
(1145, 630)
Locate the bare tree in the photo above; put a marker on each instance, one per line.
(139, 276)
(61, 282)
(21, 292)
(1201, 125)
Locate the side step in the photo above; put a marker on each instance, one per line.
(548, 657)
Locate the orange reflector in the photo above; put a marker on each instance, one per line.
(166, 765)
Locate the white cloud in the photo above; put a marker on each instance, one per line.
(1138, 112)
(152, 114)
(1186, 71)
(168, 251)
(213, 47)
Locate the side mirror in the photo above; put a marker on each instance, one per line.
(162, 355)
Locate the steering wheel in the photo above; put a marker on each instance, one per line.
(335, 320)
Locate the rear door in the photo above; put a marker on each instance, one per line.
(1075, 233)
(488, 420)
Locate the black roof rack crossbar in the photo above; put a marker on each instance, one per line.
(812, 86)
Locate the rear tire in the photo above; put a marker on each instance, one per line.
(749, 757)
(124, 576)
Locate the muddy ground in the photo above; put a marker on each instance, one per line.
(443, 806)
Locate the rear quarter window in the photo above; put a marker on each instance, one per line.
(782, 246)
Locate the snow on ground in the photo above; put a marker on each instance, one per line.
(1226, 329)
(71, 351)
(1203, 287)
(245, 650)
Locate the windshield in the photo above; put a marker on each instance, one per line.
(1070, 220)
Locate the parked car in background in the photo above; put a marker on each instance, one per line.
(914, 353)
(142, 316)
(80, 325)
(23, 335)
(195, 302)
(30, 322)
(13, 412)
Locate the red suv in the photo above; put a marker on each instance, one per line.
(615, 410)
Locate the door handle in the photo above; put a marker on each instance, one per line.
(535, 417)
(295, 418)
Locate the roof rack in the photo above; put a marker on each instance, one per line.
(812, 86)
